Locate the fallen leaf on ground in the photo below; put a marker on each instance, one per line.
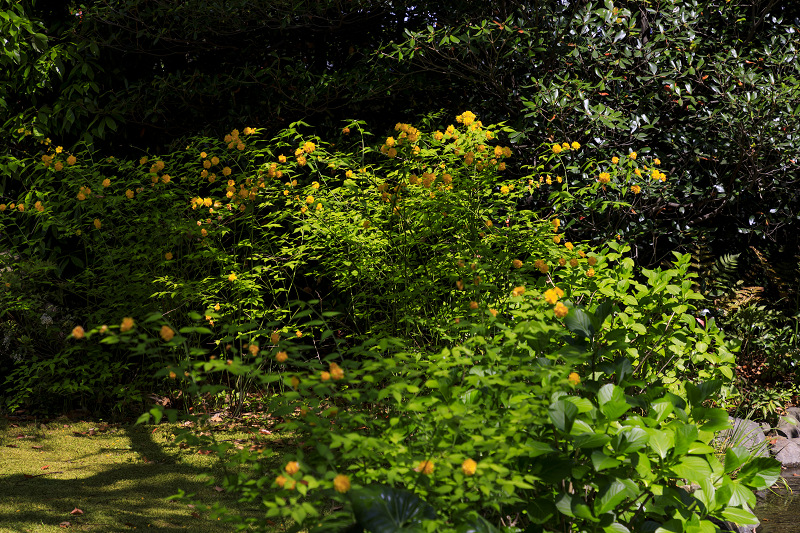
(37, 447)
(45, 467)
(76, 511)
(11, 446)
(64, 524)
(218, 488)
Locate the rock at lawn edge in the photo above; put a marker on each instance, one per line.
(745, 433)
(787, 451)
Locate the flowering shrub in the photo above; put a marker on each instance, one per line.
(422, 339)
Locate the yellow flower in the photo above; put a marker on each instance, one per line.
(556, 148)
(615, 160)
(298, 333)
(574, 378)
(426, 467)
(166, 333)
(58, 166)
(203, 155)
(214, 161)
(143, 161)
(592, 261)
(576, 145)
(551, 296)
(129, 194)
(77, 332)
(493, 312)
(253, 349)
(3, 207)
(468, 467)
(309, 147)
(319, 207)
(226, 171)
(21, 207)
(341, 483)
(309, 200)
(638, 172)
(281, 357)
(518, 291)
(59, 149)
(565, 145)
(301, 160)
(81, 197)
(632, 155)
(292, 467)
(391, 152)
(127, 324)
(560, 310)
(280, 481)
(168, 256)
(516, 263)
(636, 189)
(324, 376)
(315, 185)
(656, 161)
(97, 223)
(336, 371)
(206, 164)
(346, 131)
(232, 277)
(38, 206)
(604, 178)
(71, 160)
(504, 189)
(590, 273)
(557, 239)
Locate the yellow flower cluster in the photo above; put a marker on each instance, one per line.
(84, 193)
(604, 178)
(341, 483)
(466, 118)
(233, 139)
(551, 296)
(426, 467)
(469, 467)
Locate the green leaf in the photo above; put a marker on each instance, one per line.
(739, 516)
(477, 525)
(579, 322)
(760, 473)
(562, 414)
(611, 496)
(601, 461)
(661, 442)
(735, 457)
(630, 439)
(384, 509)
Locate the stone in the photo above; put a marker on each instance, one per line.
(787, 451)
(745, 433)
(789, 424)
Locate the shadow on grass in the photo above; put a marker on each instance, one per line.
(114, 497)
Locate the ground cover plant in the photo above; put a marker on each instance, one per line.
(94, 476)
(445, 358)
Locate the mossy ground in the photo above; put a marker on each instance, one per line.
(119, 476)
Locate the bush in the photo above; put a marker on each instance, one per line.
(422, 340)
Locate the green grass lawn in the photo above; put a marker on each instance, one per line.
(119, 476)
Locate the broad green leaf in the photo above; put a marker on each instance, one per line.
(601, 461)
(384, 509)
(739, 516)
(579, 322)
(611, 495)
(562, 413)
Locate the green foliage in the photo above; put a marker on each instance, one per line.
(429, 346)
